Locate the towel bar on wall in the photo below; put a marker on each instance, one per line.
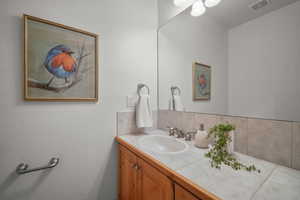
(23, 168)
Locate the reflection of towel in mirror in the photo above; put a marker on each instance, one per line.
(144, 112)
(176, 104)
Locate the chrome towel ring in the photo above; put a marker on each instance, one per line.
(140, 87)
(174, 89)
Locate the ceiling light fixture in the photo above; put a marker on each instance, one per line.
(198, 9)
(180, 3)
(199, 6)
(212, 3)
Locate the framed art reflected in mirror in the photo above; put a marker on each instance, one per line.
(60, 62)
(201, 82)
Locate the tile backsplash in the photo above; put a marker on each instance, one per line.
(126, 123)
(241, 132)
(271, 140)
(296, 145)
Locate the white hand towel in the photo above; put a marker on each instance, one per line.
(178, 103)
(144, 112)
(171, 107)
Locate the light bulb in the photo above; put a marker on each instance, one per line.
(212, 3)
(198, 9)
(179, 3)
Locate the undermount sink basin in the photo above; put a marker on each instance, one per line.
(163, 144)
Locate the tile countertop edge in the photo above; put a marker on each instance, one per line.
(173, 175)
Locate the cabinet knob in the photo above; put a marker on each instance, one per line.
(136, 167)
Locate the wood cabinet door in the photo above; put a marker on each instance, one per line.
(182, 194)
(153, 185)
(127, 175)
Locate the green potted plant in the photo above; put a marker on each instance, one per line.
(220, 152)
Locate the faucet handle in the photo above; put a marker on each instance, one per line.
(180, 134)
(188, 136)
(193, 133)
(172, 130)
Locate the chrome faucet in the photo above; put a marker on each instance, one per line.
(180, 134)
(172, 131)
(189, 136)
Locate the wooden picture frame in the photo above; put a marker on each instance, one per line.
(201, 82)
(60, 62)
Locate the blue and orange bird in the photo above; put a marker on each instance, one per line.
(60, 63)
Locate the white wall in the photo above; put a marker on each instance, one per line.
(264, 66)
(185, 40)
(81, 134)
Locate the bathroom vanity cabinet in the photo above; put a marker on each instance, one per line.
(141, 181)
(149, 174)
(182, 194)
(141, 178)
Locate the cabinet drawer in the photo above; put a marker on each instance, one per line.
(182, 194)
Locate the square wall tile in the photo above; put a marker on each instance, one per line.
(167, 118)
(209, 121)
(296, 146)
(186, 121)
(126, 123)
(162, 119)
(240, 133)
(270, 140)
(155, 117)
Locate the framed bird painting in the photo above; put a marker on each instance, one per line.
(60, 62)
(201, 82)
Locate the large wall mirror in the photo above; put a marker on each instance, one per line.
(233, 60)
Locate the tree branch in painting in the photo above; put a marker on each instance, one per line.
(76, 77)
(42, 85)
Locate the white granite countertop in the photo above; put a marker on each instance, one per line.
(273, 183)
